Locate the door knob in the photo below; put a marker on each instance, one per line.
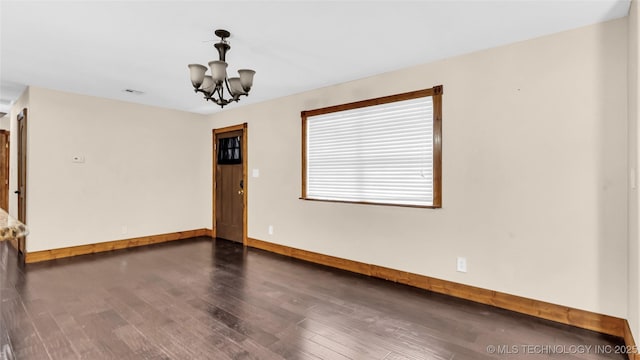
(240, 192)
(17, 192)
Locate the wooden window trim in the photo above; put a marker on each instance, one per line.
(435, 92)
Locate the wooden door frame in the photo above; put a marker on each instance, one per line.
(7, 158)
(22, 192)
(5, 187)
(214, 136)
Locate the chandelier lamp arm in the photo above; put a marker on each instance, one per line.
(213, 86)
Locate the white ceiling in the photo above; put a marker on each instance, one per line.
(101, 48)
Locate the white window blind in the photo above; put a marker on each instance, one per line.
(378, 154)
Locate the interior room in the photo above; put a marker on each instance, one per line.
(530, 245)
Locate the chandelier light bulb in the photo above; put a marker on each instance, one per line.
(208, 85)
(246, 78)
(197, 72)
(236, 86)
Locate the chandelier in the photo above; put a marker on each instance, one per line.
(213, 86)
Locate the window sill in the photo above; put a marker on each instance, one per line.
(372, 203)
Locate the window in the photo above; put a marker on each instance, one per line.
(229, 151)
(379, 151)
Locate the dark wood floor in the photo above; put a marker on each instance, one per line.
(198, 299)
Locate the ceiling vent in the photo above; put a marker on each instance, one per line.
(131, 91)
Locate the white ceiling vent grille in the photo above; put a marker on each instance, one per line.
(132, 91)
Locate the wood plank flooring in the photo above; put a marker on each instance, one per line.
(203, 299)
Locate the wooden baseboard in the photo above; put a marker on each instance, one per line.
(634, 352)
(580, 318)
(45, 255)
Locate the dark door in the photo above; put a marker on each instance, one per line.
(4, 170)
(22, 174)
(229, 185)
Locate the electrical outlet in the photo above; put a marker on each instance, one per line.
(78, 159)
(124, 229)
(270, 229)
(461, 265)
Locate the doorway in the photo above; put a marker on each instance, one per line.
(230, 183)
(22, 176)
(4, 170)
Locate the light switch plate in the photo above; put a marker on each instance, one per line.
(461, 264)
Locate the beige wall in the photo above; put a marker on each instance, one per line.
(5, 122)
(634, 217)
(534, 172)
(146, 169)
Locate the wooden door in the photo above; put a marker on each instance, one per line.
(230, 160)
(4, 170)
(22, 174)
